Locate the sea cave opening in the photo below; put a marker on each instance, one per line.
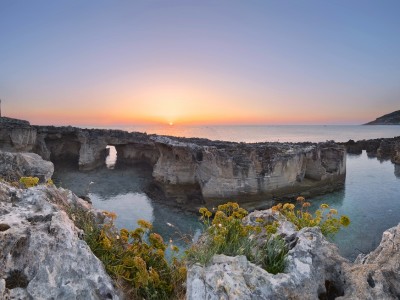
(111, 158)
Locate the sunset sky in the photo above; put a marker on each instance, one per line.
(199, 62)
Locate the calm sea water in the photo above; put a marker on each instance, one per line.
(370, 197)
(271, 133)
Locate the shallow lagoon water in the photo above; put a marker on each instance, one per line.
(371, 197)
(121, 190)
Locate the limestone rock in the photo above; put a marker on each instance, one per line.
(377, 274)
(190, 172)
(42, 255)
(16, 135)
(314, 270)
(246, 172)
(15, 165)
(383, 149)
(311, 264)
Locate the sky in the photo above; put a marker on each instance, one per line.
(98, 62)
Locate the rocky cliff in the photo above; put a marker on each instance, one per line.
(314, 270)
(16, 135)
(43, 256)
(388, 119)
(198, 171)
(42, 253)
(216, 171)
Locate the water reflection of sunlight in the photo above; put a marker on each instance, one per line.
(111, 159)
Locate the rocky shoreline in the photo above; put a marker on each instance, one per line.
(314, 270)
(42, 253)
(44, 256)
(383, 148)
(190, 172)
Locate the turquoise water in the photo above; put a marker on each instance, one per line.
(371, 197)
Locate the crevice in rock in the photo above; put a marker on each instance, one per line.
(332, 291)
(40, 219)
(16, 279)
(370, 280)
(4, 227)
(291, 241)
(199, 156)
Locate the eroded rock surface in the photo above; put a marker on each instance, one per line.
(314, 270)
(246, 172)
(384, 148)
(190, 172)
(15, 165)
(42, 254)
(16, 135)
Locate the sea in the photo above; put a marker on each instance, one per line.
(370, 197)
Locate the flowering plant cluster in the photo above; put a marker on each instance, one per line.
(28, 182)
(134, 258)
(324, 217)
(225, 233)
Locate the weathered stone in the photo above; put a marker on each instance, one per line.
(314, 270)
(384, 148)
(191, 172)
(377, 274)
(247, 172)
(16, 135)
(42, 255)
(15, 165)
(310, 264)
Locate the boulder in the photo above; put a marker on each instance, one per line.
(14, 165)
(314, 270)
(42, 254)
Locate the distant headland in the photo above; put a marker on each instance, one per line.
(389, 119)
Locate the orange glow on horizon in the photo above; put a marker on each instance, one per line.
(160, 101)
(54, 118)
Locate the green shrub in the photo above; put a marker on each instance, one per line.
(28, 182)
(227, 234)
(134, 258)
(324, 217)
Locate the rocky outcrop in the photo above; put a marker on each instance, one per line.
(191, 172)
(196, 171)
(16, 135)
(384, 148)
(86, 148)
(314, 270)
(15, 165)
(42, 254)
(215, 171)
(388, 119)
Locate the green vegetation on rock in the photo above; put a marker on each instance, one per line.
(136, 258)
